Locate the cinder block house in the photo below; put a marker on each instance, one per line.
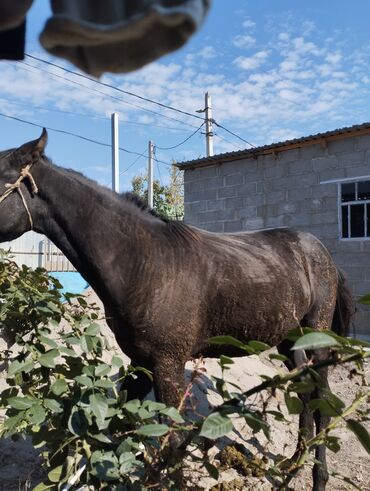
(319, 183)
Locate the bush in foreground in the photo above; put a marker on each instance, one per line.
(64, 393)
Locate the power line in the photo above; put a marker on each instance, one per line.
(184, 141)
(86, 115)
(127, 93)
(146, 99)
(104, 94)
(232, 133)
(67, 133)
(227, 141)
(144, 154)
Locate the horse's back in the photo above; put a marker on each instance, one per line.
(263, 283)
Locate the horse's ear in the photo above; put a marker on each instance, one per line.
(35, 148)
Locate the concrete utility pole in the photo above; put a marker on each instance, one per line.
(209, 128)
(150, 174)
(115, 152)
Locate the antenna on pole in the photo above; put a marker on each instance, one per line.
(150, 174)
(115, 152)
(209, 128)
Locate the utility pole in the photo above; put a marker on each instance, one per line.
(150, 174)
(209, 128)
(115, 152)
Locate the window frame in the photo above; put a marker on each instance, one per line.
(348, 205)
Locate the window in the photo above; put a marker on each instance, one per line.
(355, 209)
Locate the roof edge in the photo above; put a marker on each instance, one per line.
(275, 148)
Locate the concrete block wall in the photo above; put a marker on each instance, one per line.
(286, 190)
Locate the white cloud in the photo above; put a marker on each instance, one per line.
(307, 85)
(208, 52)
(248, 24)
(244, 41)
(251, 62)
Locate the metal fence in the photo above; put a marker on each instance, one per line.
(35, 250)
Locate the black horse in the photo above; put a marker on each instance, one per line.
(168, 287)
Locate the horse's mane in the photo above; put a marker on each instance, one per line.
(175, 229)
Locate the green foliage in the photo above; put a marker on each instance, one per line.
(168, 200)
(64, 392)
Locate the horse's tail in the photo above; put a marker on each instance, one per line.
(344, 307)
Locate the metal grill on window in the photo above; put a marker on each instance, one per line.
(355, 209)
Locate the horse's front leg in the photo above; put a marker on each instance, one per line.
(168, 373)
(320, 471)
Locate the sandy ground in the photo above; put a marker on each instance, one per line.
(20, 466)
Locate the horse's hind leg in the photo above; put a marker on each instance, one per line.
(306, 419)
(320, 471)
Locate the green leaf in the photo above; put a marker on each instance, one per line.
(100, 437)
(102, 370)
(87, 344)
(258, 346)
(104, 384)
(93, 329)
(215, 426)
(59, 387)
(43, 487)
(153, 405)
(117, 362)
(305, 387)
(329, 405)
(256, 423)
(294, 405)
(99, 406)
(77, 422)
(228, 340)
(315, 340)
(153, 430)
(127, 461)
(48, 342)
(55, 474)
(53, 405)
(22, 402)
(84, 380)
(212, 470)
(226, 360)
(105, 465)
(48, 359)
(132, 406)
(172, 413)
(36, 414)
(361, 432)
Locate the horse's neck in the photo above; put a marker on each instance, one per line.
(94, 228)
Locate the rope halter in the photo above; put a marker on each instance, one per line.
(16, 186)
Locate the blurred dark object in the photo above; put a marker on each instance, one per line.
(13, 28)
(116, 36)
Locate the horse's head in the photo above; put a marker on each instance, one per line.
(17, 188)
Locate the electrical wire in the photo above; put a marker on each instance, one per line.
(86, 115)
(232, 133)
(64, 132)
(146, 99)
(184, 141)
(227, 141)
(144, 154)
(104, 94)
(127, 93)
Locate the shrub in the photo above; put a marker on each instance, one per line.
(65, 395)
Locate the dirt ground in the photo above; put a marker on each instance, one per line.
(20, 466)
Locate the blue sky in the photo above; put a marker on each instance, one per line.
(276, 69)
